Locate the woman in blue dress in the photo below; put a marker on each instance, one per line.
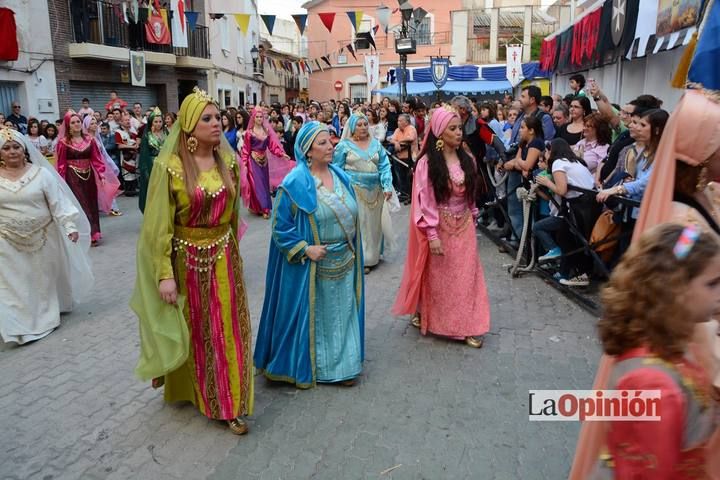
(365, 161)
(313, 319)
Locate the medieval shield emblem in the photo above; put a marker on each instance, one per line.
(440, 68)
(617, 24)
(137, 68)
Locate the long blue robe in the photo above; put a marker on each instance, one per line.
(286, 341)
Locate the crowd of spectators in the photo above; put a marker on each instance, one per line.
(591, 166)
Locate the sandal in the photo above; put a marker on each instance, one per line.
(349, 383)
(238, 426)
(415, 320)
(474, 342)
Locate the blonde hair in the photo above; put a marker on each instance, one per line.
(644, 301)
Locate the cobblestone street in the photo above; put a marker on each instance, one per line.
(425, 408)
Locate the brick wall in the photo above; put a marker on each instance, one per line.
(68, 69)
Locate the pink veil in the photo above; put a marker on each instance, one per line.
(278, 166)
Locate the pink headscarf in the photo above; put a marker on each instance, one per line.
(439, 121)
(681, 140)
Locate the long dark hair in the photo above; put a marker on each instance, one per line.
(657, 118)
(560, 149)
(533, 123)
(439, 175)
(230, 119)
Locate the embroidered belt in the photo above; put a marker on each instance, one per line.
(202, 247)
(455, 223)
(25, 235)
(259, 157)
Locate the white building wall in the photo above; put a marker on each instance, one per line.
(230, 52)
(624, 82)
(34, 72)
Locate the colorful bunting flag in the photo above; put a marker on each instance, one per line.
(356, 19)
(217, 16)
(243, 21)
(383, 14)
(375, 29)
(269, 21)
(327, 19)
(326, 60)
(319, 66)
(351, 50)
(301, 22)
(192, 18)
(367, 36)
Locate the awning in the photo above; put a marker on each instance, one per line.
(451, 86)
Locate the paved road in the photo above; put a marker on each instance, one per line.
(70, 407)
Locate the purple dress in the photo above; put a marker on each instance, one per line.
(255, 161)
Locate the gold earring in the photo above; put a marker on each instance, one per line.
(703, 180)
(192, 144)
(439, 144)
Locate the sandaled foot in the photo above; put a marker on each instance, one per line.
(116, 213)
(367, 270)
(158, 382)
(475, 342)
(349, 383)
(415, 320)
(266, 216)
(238, 426)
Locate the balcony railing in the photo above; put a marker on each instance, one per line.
(422, 38)
(105, 27)
(478, 50)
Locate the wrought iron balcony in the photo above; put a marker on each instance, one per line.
(102, 22)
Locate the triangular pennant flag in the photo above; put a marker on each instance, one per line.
(307, 65)
(301, 22)
(383, 14)
(269, 21)
(217, 16)
(326, 60)
(351, 50)
(368, 36)
(327, 20)
(375, 29)
(243, 21)
(356, 19)
(319, 66)
(302, 66)
(192, 18)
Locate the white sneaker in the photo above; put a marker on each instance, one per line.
(579, 281)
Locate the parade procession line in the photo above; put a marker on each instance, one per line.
(424, 407)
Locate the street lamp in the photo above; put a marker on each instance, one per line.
(254, 54)
(404, 46)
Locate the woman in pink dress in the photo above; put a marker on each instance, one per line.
(261, 147)
(443, 283)
(81, 165)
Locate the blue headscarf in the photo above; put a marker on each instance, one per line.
(353, 121)
(299, 183)
(305, 138)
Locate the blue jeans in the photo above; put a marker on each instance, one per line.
(544, 229)
(514, 205)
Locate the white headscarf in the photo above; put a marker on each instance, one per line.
(80, 268)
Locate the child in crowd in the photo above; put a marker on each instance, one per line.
(667, 282)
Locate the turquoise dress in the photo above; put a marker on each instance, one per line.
(337, 328)
(313, 320)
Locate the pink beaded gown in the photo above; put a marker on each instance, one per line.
(448, 290)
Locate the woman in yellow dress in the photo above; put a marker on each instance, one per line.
(190, 294)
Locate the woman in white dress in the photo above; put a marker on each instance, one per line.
(44, 240)
(364, 159)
